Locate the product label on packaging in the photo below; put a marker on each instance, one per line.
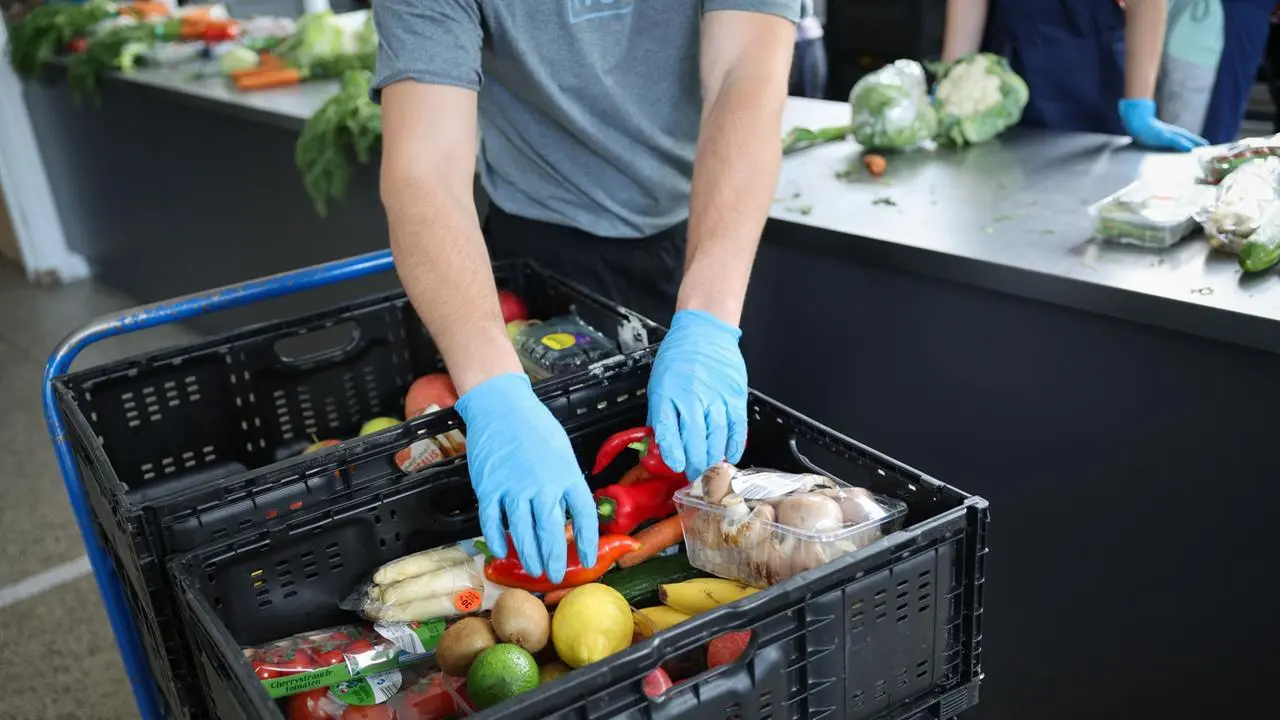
(761, 484)
(400, 635)
(371, 690)
(559, 341)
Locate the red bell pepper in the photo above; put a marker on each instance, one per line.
(640, 438)
(508, 572)
(623, 508)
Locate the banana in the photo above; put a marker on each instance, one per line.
(694, 596)
(659, 617)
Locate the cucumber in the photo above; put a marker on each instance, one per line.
(642, 581)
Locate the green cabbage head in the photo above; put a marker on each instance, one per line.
(891, 108)
(978, 97)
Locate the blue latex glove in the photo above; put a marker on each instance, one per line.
(523, 465)
(698, 394)
(1139, 118)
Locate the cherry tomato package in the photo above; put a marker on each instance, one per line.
(412, 693)
(323, 658)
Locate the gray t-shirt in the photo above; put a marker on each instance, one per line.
(589, 109)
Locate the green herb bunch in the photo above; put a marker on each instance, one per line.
(349, 123)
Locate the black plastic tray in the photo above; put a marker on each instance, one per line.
(893, 630)
(189, 445)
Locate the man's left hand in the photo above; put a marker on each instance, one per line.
(698, 394)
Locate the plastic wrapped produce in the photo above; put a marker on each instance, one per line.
(761, 526)
(891, 109)
(1219, 161)
(978, 97)
(407, 694)
(443, 582)
(1149, 215)
(1241, 203)
(1261, 251)
(560, 346)
(321, 658)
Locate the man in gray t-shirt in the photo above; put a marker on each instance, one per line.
(612, 130)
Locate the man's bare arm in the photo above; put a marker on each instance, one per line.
(428, 166)
(746, 60)
(1144, 32)
(966, 21)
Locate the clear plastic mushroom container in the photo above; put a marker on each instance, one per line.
(761, 526)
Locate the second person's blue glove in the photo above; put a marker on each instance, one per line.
(1139, 118)
(522, 465)
(698, 394)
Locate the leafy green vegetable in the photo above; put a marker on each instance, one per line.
(349, 123)
(799, 138)
(891, 109)
(116, 48)
(978, 97)
(320, 36)
(44, 31)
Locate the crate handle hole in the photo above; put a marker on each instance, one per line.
(325, 344)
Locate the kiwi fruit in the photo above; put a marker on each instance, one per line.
(521, 619)
(461, 643)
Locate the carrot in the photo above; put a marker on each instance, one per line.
(266, 62)
(653, 540)
(634, 475)
(268, 79)
(554, 597)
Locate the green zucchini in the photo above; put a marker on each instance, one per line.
(641, 582)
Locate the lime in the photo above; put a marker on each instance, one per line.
(501, 672)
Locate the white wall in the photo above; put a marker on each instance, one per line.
(25, 188)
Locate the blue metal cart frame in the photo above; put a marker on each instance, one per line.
(143, 318)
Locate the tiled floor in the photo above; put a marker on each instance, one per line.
(61, 633)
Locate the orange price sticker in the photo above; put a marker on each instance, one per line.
(467, 600)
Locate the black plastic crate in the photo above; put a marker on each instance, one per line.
(891, 631)
(192, 444)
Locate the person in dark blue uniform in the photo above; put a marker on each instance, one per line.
(1091, 65)
(1245, 27)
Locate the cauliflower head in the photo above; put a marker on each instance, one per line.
(978, 97)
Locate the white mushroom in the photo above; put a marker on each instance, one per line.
(810, 513)
(752, 531)
(857, 505)
(716, 482)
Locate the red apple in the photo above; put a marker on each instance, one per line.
(513, 308)
(434, 389)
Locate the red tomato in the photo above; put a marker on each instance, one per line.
(355, 647)
(78, 45)
(263, 672)
(368, 712)
(289, 661)
(727, 648)
(430, 701)
(329, 658)
(310, 705)
(656, 683)
(513, 308)
(338, 636)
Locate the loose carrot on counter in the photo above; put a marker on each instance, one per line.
(269, 79)
(653, 540)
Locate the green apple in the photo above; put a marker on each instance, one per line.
(377, 424)
(319, 445)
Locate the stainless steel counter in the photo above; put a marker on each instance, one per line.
(1011, 215)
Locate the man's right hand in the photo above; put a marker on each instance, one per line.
(522, 464)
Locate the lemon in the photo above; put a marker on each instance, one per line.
(590, 624)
